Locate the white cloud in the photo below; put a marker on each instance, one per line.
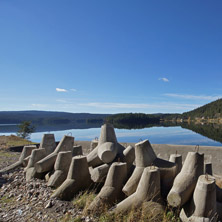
(188, 96)
(164, 79)
(61, 90)
(74, 90)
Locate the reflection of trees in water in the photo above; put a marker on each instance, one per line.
(142, 126)
(212, 131)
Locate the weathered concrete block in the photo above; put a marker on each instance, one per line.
(78, 179)
(168, 172)
(37, 154)
(26, 151)
(77, 150)
(66, 144)
(111, 190)
(61, 168)
(176, 158)
(129, 156)
(144, 157)
(93, 158)
(99, 173)
(107, 147)
(185, 182)
(107, 134)
(47, 163)
(48, 143)
(148, 189)
(94, 144)
(208, 168)
(203, 205)
(107, 152)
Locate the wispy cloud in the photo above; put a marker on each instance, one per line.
(160, 106)
(61, 101)
(188, 96)
(164, 79)
(74, 90)
(39, 105)
(61, 90)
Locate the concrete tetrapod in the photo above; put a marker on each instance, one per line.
(37, 154)
(107, 148)
(78, 179)
(129, 156)
(112, 189)
(219, 211)
(93, 158)
(185, 182)
(26, 151)
(77, 150)
(203, 205)
(208, 168)
(93, 144)
(168, 172)
(107, 152)
(144, 156)
(61, 168)
(25, 161)
(99, 173)
(107, 134)
(48, 143)
(176, 158)
(148, 189)
(47, 163)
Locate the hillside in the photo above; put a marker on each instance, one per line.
(46, 117)
(211, 110)
(137, 120)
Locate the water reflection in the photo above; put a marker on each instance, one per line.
(162, 133)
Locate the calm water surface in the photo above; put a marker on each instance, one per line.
(156, 135)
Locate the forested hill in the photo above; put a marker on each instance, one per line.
(137, 120)
(47, 117)
(211, 110)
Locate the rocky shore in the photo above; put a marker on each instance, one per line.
(29, 201)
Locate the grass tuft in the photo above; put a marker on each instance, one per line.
(149, 211)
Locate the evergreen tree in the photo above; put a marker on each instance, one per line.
(25, 129)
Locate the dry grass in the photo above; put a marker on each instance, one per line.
(12, 140)
(149, 211)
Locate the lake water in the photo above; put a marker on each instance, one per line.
(156, 135)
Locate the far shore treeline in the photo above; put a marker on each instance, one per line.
(209, 113)
(50, 118)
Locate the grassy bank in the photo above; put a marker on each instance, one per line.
(12, 140)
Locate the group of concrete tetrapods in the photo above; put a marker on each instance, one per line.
(131, 176)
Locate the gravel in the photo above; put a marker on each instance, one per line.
(29, 201)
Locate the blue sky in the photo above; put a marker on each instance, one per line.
(110, 56)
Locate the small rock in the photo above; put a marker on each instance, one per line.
(34, 199)
(11, 195)
(49, 204)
